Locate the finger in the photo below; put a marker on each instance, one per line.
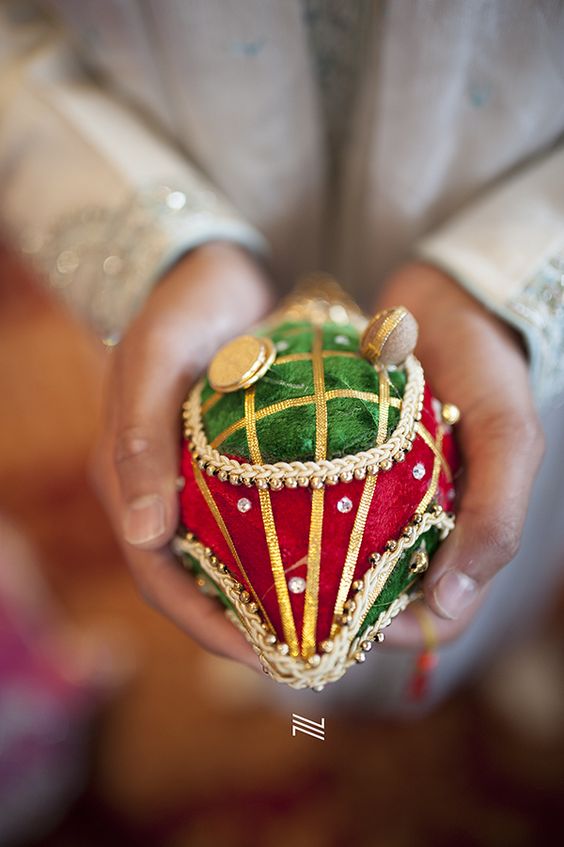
(168, 590)
(149, 387)
(405, 630)
(501, 456)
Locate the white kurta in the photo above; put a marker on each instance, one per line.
(450, 152)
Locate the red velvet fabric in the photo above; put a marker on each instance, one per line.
(396, 497)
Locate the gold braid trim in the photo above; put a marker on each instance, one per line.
(318, 670)
(313, 473)
(271, 535)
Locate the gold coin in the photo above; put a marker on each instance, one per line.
(240, 363)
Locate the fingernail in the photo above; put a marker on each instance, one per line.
(454, 592)
(144, 519)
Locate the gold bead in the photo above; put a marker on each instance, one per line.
(419, 562)
(450, 413)
(314, 660)
(240, 363)
(271, 639)
(358, 585)
(283, 649)
(366, 646)
(327, 645)
(391, 545)
(303, 481)
(390, 337)
(276, 484)
(380, 637)
(386, 464)
(350, 605)
(316, 482)
(345, 476)
(360, 473)
(291, 482)
(374, 558)
(360, 657)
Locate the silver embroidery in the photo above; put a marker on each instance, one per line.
(104, 261)
(540, 306)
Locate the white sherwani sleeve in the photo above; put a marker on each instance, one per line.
(102, 201)
(507, 249)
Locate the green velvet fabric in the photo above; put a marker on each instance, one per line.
(290, 434)
(401, 576)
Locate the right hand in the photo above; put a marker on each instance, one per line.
(211, 295)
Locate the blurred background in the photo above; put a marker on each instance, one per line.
(116, 729)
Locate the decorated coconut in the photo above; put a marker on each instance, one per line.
(318, 482)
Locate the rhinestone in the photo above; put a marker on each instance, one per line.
(67, 262)
(111, 340)
(344, 505)
(297, 585)
(342, 339)
(244, 504)
(419, 470)
(176, 200)
(112, 265)
(282, 345)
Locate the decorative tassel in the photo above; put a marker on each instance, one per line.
(427, 660)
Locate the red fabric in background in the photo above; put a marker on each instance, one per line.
(395, 499)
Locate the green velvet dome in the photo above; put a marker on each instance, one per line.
(288, 432)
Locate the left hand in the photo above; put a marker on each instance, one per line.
(472, 359)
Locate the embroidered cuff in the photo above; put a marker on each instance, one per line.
(104, 262)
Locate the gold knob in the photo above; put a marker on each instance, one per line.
(450, 413)
(419, 562)
(240, 363)
(390, 337)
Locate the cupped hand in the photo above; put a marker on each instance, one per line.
(474, 360)
(212, 294)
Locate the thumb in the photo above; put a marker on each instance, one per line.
(502, 458)
(147, 395)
